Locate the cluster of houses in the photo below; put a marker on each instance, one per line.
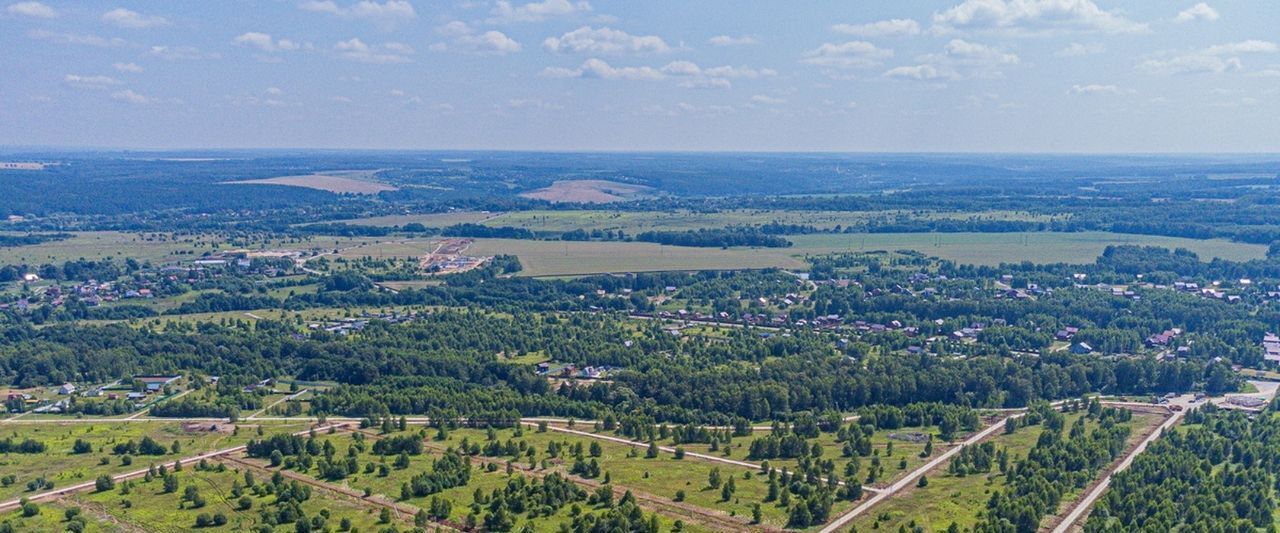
(111, 391)
(349, 325)
(573, 372)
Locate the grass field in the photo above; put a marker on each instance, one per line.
(59, 465)
(549, 258)
(638, 221)
(152, 509)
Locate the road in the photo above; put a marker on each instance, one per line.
(913, 476)
(1082, 507)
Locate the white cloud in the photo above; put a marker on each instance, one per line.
(883, 28)
(131, 97)
(32, 9)
(694, 76)
(454, 28)
(978, 54)
(179, 53)
(729, 40)
(919, 72)
(1201, 11)
(265, 42)
(1097, 89)
(1214, 59)
(767, 100)
(959, 59)
(504, 12)
(386, 53)
(597, 68)
(125, 18)
(387, 14)
(1033, 17)
(274, 91)
(127, 67)
(587, 40)
(1078, 50)
(90, 82)
(490, 42)
(76, 38)
(851, 54)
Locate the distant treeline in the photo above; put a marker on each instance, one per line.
(31, 238)
(715, 238)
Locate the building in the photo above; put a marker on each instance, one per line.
(1081, 348)
(1271, 347)
(157, 383)
(67, 388)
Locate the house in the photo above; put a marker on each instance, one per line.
(67, 388)
(157, 383)
(1081, 348)
(1271, 347)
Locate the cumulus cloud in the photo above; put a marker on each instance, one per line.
(385, 53)
(1033, 17)
(883, 28)
(127, 67)
(490, 42)
(919, 72)
(264, 42)
(76, 38)
(694, 76)
(588, 40)
(599, 69)
(90, 82)
(959, 59)
(126, 18)
(1078, 49)
(387, 14)
(851, 54)
(729, 40)
(31, 9)
(504, 12)
(1201, 11)
(131, 97)
(1214, 59)
(1095, 88)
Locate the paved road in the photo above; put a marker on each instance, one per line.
(912, 477)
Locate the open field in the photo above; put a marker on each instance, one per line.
(588, 191)
(62, 467)
(676, 220)
(352, 182)
(548, 258)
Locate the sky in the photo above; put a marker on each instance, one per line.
(707, 75)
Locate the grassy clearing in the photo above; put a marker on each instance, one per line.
(62, 467)
(482, 479)
(549, 258)
(351, 182)
(154, 247)
(153, 509)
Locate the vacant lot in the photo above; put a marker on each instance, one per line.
(550, 258)
(587, 191)
(334, 182)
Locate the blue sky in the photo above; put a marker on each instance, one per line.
(957, 75)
